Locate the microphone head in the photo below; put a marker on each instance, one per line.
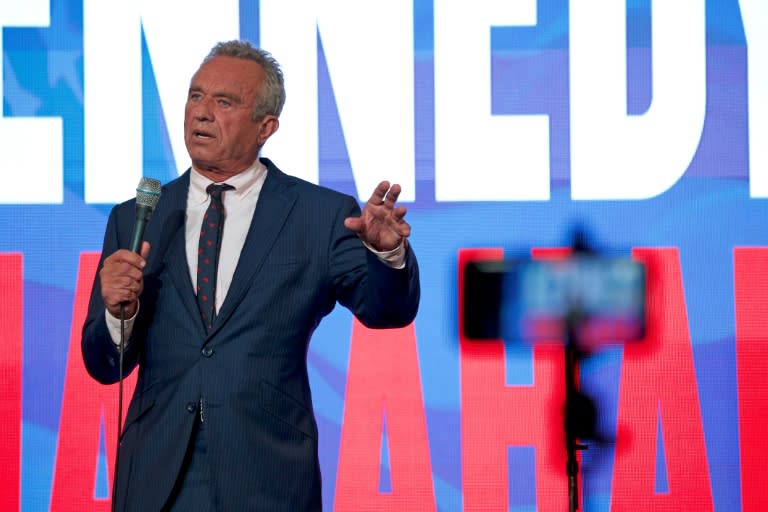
(148, 193)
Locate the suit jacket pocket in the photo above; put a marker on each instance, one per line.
(287, 409)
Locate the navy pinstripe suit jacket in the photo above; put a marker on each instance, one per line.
(298, 261)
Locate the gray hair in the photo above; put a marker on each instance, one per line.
(273, 96)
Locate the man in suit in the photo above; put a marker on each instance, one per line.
(221, 418)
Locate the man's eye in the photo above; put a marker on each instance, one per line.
(224, 103)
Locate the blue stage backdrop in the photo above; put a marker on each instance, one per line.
(507, 123)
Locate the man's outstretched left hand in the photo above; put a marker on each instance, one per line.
(381, 224)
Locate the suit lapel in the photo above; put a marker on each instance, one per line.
(272, 209)
(175, 260)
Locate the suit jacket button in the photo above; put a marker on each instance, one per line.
(207, 352)
(191, 407)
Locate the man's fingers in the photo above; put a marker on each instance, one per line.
(122, 277)
(130, 283)
(119, 272)
(385, 194)
(393, 194)
(145, 248)
(353, 223)
(379, 193)
(123, 260)
(122, 289)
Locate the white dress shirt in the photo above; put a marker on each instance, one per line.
(239, 205)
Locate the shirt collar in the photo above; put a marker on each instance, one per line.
(243, 182)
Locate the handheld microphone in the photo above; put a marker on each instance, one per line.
(147, 196)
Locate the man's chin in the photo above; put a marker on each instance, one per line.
(199, 144)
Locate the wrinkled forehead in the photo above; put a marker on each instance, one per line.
(229, 75)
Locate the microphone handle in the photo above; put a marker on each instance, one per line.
(142, 216)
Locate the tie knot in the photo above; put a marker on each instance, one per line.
(216, 190)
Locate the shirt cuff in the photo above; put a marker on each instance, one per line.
(113, 326)
(394, 258)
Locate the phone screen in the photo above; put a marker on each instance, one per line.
(593, 300)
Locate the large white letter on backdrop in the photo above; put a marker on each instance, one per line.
(113, 80)
(288, 30)
(615, 155)
(479, 156)
(32, 146)
(754, 14)
(372, 75)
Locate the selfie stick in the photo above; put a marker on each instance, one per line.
(576, 405)
(580, 411)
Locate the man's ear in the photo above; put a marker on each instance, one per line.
(269, 125)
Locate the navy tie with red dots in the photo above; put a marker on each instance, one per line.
(208, 253)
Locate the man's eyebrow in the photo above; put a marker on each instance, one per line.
(232, 97)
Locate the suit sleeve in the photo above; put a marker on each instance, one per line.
(378, 295)
(100, 354)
